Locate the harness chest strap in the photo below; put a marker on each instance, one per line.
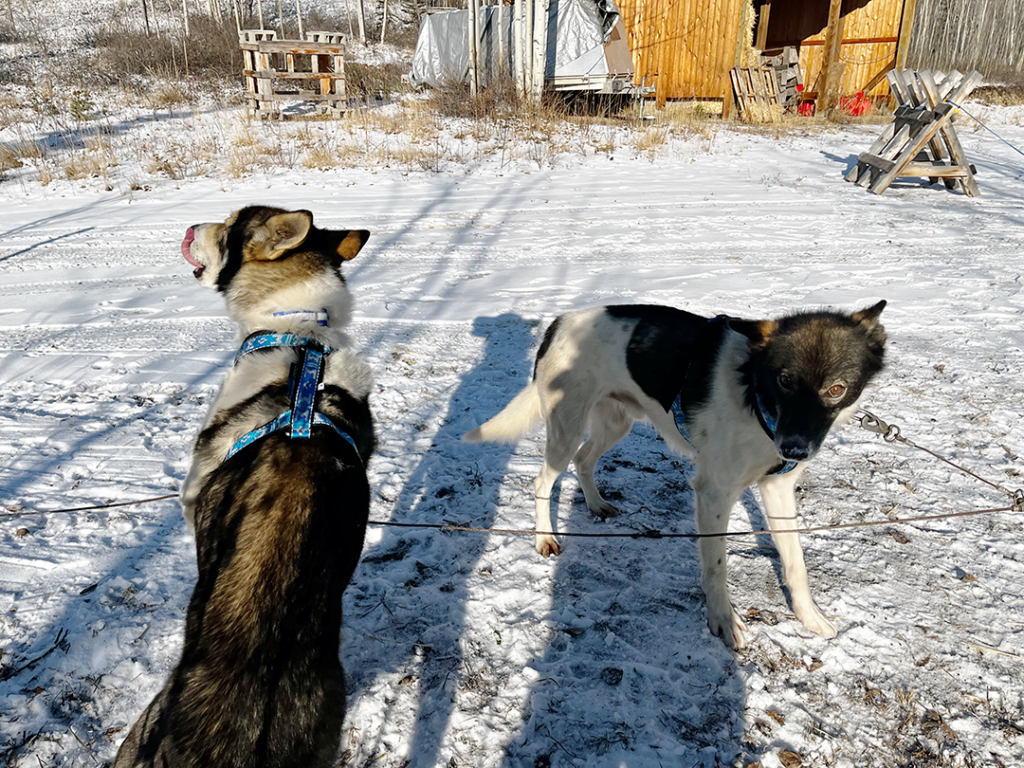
(763, 417)
(302, 416)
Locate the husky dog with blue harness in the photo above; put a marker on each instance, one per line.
(278, 500)
(749, 401)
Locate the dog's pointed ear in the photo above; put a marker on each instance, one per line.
(286, 231)
(757, 331)
(869, 317)
(351, 243)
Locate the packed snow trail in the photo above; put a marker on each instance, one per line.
(470, 649)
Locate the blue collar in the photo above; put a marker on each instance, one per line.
(303, 415)
(319, 316)
(764, 418)
(770, 426)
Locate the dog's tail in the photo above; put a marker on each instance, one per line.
(517, 418)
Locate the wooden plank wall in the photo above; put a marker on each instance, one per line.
(803, 23)
(689, 44)
(987, 35)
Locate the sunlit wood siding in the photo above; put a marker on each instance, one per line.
(692, 44)
(871, 31)
(689, 44)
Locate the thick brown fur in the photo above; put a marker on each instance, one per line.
(279, 526)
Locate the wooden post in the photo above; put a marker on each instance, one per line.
(259, 7)
(517, 45)
(501, 38)
(831, 74)
(762, 26)
(348, 11)
(298, 15)
(384, 22)
(906, 29)
(540, 47)
(362, 21)
(280, 19)
(474, 63)
(184, 39)
(528, 49)
(727, 97)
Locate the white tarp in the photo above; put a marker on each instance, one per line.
(578, 32)
(442, 48)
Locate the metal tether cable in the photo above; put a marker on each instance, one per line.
(890, 433)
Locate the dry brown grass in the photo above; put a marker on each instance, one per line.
(320, 157)
(649, 140)
(1009, 95)
(27, 149)
(8, 160)
(691, 118)
(81, 165)
(499, 101)
(124, 52)
(369, 82)
(167, 95)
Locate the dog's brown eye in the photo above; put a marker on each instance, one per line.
(785, 380)
(836, 390)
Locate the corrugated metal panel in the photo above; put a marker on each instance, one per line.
(689, 44)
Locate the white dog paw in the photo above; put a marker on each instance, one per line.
(604, 509)
(547, 545)
(728, 626)
(815, 620)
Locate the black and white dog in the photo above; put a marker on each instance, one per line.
(750, 401)
(278, 499)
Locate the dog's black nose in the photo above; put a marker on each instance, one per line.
(793, 448)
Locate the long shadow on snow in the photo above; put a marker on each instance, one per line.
(106, 625)
(407, 606)
(631, 675)
(70, 687)
(75, 138)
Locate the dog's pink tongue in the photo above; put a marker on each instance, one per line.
(186, 248)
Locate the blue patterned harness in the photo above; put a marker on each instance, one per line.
(768, 424)
(302, 416)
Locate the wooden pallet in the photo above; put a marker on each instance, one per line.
(786, 66)
(757, 94)
(277, 71)
(921, 141)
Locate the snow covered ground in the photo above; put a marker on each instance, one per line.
(470, 649)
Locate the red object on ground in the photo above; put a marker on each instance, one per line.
(805, 108)
(856, 106)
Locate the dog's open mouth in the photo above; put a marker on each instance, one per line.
(186, 251)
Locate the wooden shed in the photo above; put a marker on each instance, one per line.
(846, 46)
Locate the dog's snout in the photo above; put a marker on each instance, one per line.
(793, 448)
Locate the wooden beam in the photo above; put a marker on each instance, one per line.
(936, 169)
(762, 26)
(727, 102)
(830, 74)
(879, 77)
(906, 29)
(944, 113)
